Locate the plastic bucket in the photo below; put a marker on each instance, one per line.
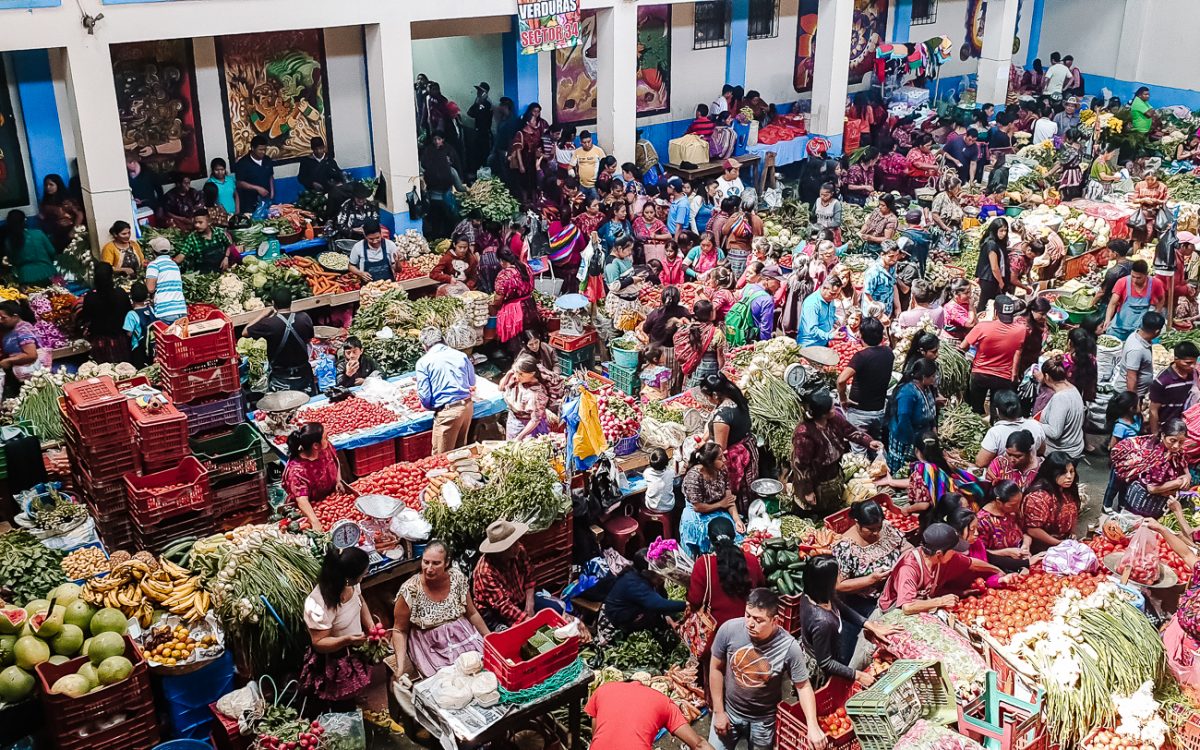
(625, 357)
(184, 745)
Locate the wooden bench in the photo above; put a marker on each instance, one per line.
(710, 168)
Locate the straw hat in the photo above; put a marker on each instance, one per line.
(501, 535)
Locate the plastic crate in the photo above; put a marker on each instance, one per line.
(580, 359)
(130, 697)
(223, 411)
(139, 733)
(175, 351)
(116, 533)
(788, 616)
(158, 431)
(157, 537)
(1186, 725)
(791, 726)
(231, 456)
(573, 343)
(551, 574)
(95, 405)
(840, 522)
(372, 458)
(627, 445)
(1001, 721)
(190, 491)
(186, 386)
(625, 379)
(248, 494)
(545, 544)
(908, 691)
(414, 447)
(498, 648)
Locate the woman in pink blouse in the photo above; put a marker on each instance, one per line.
(312, 472)
(959, 313)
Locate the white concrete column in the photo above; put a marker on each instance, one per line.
(831, 70)
(97, 128)
(393, 110)
(1137, 20)
(996, 60)
(616, 80)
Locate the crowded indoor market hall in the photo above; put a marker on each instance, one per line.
(555, 374)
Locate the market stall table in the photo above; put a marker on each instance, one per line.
(1113, 214)
(489, 401)
(475, 726)
(419, 284)
(786, 152)
(711, 168)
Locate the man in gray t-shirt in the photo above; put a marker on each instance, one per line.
(1135, 371)
(751, 657)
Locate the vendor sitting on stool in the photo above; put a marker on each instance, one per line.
(446, 385)
(354, 366)
(503, 585)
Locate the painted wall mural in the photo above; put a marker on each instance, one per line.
(975, 24)
(14, 184)
(870, 24)
(156, 99)
(574, 68)
(274, 85)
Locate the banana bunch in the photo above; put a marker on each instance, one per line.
(138, 590)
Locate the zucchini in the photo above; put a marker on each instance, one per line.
(797, 567)
(770, 559)
(785, 586)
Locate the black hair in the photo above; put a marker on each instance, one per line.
(940, 509)
(730, 203)
(1153, 321)
(820, 579)
(14, 230)
(138, 291)
(659, 459)
(871, 331)
(1054, 369)
(1186, 350)
(1142, 90)
(370, 226)
(1084, 374)
(939, 537)
(1007, 404)
(867, 513)
(258, 140)
(732, 572)
(1140, 266)
(960, 519)
(1123, 404)
(59, 195)
(671, 296)
(820, 404)
(1054, 465)
(20, 308)
(353, 342)
(930, 448)
(706, 455)
(763, 599)
(924, 342)
(1021, 440)
(338, 569)
(506, 254)
(210, 193)
(702, 110)
(1004, 490)
(118, 227)
(281, 298)
(217, 162)
(1173, 427)
(303, 438)
(719, 385)
(889, 201)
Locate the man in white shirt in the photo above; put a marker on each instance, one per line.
(730, 181)
(1057, 77)
(374, 258)
(1044, 128)
(720, 105)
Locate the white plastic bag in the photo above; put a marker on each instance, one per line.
(411, 525)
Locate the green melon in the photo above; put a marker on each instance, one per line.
(68, 642)
(7, 656)
(88, 670)
(108, 620)
(114, 669)
(12, 619)
(79, 614)
(66, 593)
(72, 685)
(15, 685)
(105, 645)
(32, 651)
(59, 659)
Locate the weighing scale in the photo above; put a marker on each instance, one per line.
(573, 314)
(269, 248)
(767, 490)
(279, 408)
(345, 534)
(377, 534)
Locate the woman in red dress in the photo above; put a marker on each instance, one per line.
(312, 472)
(514, 299)
(1051, 506)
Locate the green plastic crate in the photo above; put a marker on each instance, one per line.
(624, 378)
(580, 359)
(908, 691)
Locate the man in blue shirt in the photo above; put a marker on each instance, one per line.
(879, 282)
(446, 385)
(818, 314)
(761, 299)
(255, 174)
(963, 153)
(680, 215)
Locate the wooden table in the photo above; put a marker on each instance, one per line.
(419, 284)
(711, 168)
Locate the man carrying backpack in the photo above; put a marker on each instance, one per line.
(752, 318)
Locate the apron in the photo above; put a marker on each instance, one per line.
(378, 270)
(299, 378)
(1129, 316)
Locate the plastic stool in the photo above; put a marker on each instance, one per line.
(184, 745)
(663, 519)
(618, 531)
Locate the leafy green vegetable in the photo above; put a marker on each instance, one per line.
(28, 567)
(491, 199)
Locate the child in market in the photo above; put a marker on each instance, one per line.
(660, 482)
(1122, 420)
(672, 268)
(137, 324)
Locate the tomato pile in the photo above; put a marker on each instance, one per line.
(412, 401)
(409, 271)
(685, 401)
(336, 508)
(1005, 612)
(348, 416)
(836, 724)
(405, 482)
(845, 349)
(1104, 546)
(899, 521)
(651, 296)
(786, 261)
(1107, 739)
(619, 415)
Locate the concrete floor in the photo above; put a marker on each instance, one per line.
(1093, 474)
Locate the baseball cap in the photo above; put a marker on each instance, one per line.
(771, 272)
(1006, 307)
(483, 86)
(675, 183)
(160, 245)
(731, 164)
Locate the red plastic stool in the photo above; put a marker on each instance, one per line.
(618, 530)
(647, 517)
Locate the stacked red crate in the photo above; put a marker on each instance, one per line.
(198, 360)
(167, 505)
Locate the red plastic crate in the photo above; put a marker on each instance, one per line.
(220, 412)
(148, 505)
(175, 351)
(232, 521)
(414, 447)
(226, 734)
(119, 461)
(132, 696)
(791, 727)
(788, 616)
(157, 537)
(163, 430)
(1186, 723)
(133, 734)
(189, 385)
(250, 494)
(573, 343)
(840, 522)
(557, 536)
(498, 648)
(116, 533)
(372, 458)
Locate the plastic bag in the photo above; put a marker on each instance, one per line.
(411, 525)
(246, 704)
(1069, 558)
(1141, 559)
(343, 731)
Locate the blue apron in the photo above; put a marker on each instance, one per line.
(1129, 316)
(378, 270)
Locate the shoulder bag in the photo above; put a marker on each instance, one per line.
(699, 626)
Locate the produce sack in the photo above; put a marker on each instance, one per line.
(1141, 559)
(1069, 558)
(343, 731)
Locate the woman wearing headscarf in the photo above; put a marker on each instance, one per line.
(816, 170)
(818, 445)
